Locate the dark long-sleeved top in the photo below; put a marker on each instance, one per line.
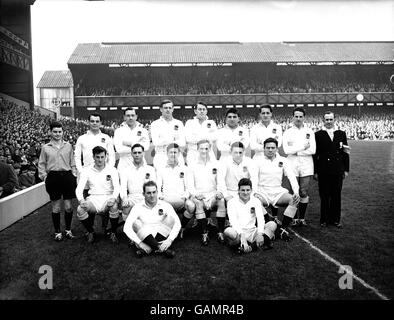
(8, 179)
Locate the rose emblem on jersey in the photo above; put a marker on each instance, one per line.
(274, 131)
(240, 133)
(209, 125)
(103, 140)
(147, 176)
(252, 210)
(214, 171)
(139, 133)
(308, 135)
(161, 212)
(280, 164)
(181, 175)
(176, 127)
(108, 177)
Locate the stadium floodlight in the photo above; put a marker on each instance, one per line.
(209, 107)
(218, 107)
(146, 108)
(155, 107)
(250, 106)
(103, 108)
(239, 106)
(291, 105)
(359, 97)
(113, 108)
(339, 104)
(311, 104)
(350, 104)
(300, 104)
(91, 108)
(188, 107)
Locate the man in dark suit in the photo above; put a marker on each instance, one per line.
(331, 167)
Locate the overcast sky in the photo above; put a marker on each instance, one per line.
(58, 26)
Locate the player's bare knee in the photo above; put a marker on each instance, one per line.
(190, 206)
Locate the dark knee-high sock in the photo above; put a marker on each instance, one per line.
(302, 209)
(104, 221)
(91, 220)
(68, 216)
(184, 221)
(286, 221)
(87, 224)
(266, 218)
(203, 223)
(221, 221)
(56, 221)
(152, 242)
(274, 211)
(114, 224)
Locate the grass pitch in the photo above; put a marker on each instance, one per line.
(290, 271)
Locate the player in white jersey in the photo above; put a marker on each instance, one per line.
(264, 129)
(92, 138)
(203, 187)
(172, 182)
(299, 144)
(103, 183)
(164, 131)
(83, 151)
(199, 128)
(153, 224)
(128, 134)
(133, 178)
(233, 169)
(230, 133)
(271, 169)
(243, 212)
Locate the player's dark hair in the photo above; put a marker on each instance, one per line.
(172, 146)
(270, 140)
(203, 141)
(299, 109)
(165, 102)
(266, 106)
(200, 102)
(244, 182)
(98, 150)
(55, 124)
(129, 108)
(95, 115)
(137, 145)
(149, 183)
(237, 144)
(232, 110)
(329, 112)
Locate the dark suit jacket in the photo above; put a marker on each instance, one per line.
(8, 179)
(330, 156)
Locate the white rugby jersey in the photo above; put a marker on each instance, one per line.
(230, 173)
(85, 145)
(166, 132)
(242, 216)
(202, 177)
(172, 181)
(259, 133)
(294, 139)
(104, 182)
(151, 217)
(124, 134)
(270, 173)
(132, 179)
(227, 136)
(196, 131)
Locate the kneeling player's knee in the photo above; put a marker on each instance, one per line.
(190, 206)
(270, 228)
(82, 214)
(230, 233)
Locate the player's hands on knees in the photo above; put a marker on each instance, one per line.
(126, 203)
(259, 240)
(219, 195)
(199, 196)
(165, 245)
(111, 202)
(84, 204)
(145, 247)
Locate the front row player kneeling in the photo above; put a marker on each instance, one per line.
(152, 224)
(243, 212)
(103, 183)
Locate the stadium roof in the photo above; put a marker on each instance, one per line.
(231, 52)
(56, 79)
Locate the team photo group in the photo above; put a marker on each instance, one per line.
(227, 179)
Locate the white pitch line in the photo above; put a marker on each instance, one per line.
(340, 265)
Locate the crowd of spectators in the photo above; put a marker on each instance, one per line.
(23, 132)
(223, 81)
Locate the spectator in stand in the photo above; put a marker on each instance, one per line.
(8, 180)
(28, 179)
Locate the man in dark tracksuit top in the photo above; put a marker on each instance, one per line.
(331, 167)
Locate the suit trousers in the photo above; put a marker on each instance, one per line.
(330, 189)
